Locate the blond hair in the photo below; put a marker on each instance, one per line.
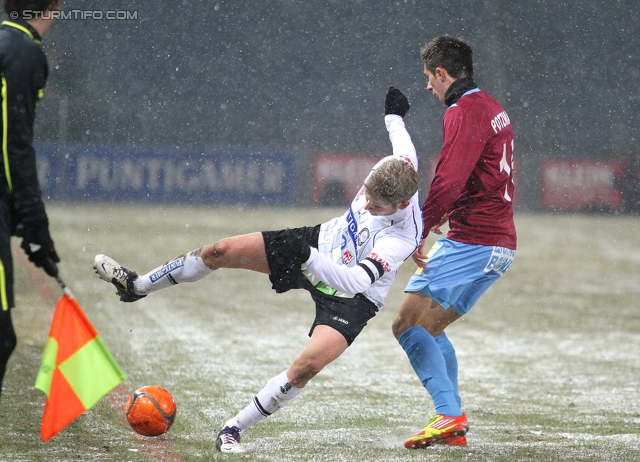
(393, 182)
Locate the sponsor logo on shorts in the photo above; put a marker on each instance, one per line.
(339, 319)
(500, 261)
(382, 261)
(166, 269)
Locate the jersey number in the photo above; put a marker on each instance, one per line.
(506, 165)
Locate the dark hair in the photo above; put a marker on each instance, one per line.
(451, 53)
(19, 6)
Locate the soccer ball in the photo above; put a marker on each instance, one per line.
(151, 410)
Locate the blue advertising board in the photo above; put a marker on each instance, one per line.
(124, 174)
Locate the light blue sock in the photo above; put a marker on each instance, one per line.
(429, 364)
(449, 354)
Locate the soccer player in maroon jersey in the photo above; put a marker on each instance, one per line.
(472, 189)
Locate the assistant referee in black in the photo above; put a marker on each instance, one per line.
(23, 74)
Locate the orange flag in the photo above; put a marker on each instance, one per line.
(77, 369)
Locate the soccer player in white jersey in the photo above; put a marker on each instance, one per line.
(346, 264)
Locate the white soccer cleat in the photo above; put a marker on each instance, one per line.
(110, 270)
(228, 440)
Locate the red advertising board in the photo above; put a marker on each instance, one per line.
(580, 184)
(337, 178)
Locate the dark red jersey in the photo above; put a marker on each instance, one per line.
(473, 182)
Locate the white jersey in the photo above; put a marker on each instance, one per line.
(361, 253)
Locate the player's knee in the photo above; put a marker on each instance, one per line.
(399, 325)
(303, 371)
(213, 255)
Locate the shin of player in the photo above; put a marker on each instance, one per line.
(325, 345)
(186, 268)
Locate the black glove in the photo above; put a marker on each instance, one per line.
(38, 245)
(291, 244)
(396, 102)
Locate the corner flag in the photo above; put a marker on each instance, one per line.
(77, 369)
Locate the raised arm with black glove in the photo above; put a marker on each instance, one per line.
(396, 102)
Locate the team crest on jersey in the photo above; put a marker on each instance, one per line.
(363, 236)
(382, 261)
(347, 257)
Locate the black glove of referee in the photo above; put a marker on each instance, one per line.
(38, 245)
(396, 102)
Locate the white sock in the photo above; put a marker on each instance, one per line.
(273, 396)
(185, 268)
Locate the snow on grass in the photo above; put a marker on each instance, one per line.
(549, 362)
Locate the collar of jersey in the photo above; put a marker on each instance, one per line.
(458, 89)
(475, 90)
(25, 27)
(396, 216)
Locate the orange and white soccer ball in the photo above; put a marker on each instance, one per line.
(151, 410)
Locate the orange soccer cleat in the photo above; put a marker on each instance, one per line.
(453, 441)
(440, 429)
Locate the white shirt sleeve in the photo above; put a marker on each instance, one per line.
(348, 280)
(385, 258)
(401, 140)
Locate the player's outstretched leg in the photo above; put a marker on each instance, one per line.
(440, 429)
(123, 279)
(186, 268)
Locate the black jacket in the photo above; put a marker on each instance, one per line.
(23, 74)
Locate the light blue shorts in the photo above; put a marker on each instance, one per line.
(458, 274)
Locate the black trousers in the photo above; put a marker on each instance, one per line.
(8, 342)
(7, 334)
